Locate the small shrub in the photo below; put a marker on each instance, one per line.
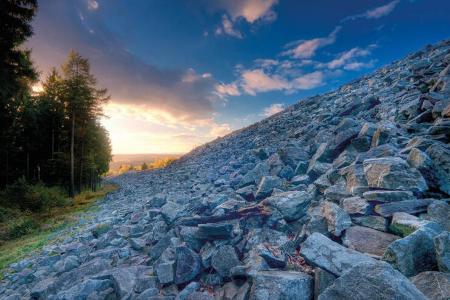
(20, 227)
(35, 198)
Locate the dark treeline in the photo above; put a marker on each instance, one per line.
(51, 137)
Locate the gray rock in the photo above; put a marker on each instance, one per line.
(407, 206)
(374, 222)
(415, 253)
(43, 289)
(356, 206)
(269, 285)
(388, 196)
(440, 154)
(393, 173)
(337, 219)
(439, 212)
(442, 248)
(404, 224)
(322, 280)
(367, 240)
(434, 285)
(292, 205)
(188, 290)
(372, 281)
(147, 294)
(165, 272)
(187, 264)
(224, 259)
(67, 264)
(215, 231)
(322, 252)
(266, 186)
(85, 289)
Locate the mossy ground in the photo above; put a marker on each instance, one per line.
(48, 223)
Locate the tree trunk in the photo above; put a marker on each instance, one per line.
(80, 179)
(72, 158)
(28, 166)
(53, 143)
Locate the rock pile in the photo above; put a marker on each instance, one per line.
(341, 196)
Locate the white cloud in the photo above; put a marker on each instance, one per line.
(308, 81)
(218, 130)
(230, 89)
(250, 10)
(254, 81)
(227, 27)
(92, 5)
(346, 56)
(375, 13)
(308, 48)
(355, 66)
(381, 11)
(273, 109)
(257, 81)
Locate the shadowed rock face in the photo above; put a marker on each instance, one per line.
(292, 207)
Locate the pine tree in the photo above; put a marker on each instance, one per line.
(84, 103)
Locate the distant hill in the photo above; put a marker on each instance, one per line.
(124, 162)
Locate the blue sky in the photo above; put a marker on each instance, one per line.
(181, 73)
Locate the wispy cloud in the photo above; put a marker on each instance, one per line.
(227, 27)
(273, 109)
(375, 13)
(308, 48)
(348, 58)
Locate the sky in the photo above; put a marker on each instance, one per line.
(183, 72)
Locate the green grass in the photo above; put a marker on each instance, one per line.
(46, 225)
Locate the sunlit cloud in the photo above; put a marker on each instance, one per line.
(224, 90)
(308, 48)
(273, 109)
(251, 11)
(137, 127)
(92, 5)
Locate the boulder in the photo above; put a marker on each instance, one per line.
(266, 186)
(374, 222)
(434, 285)
(440, 154)
(270, 285)
(407, 206)
(404, 224)
(414, 253)
(224, 259)
(356, 206)
(215, 231)
(292, 205)
(439, 212)
(337, 219)
(187, 265)
(322, 252)
(393, 173)
(372, 281)
(388, 196)
(367, 240)
(322, 280)
(442, 248)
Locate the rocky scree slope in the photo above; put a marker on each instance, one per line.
(341, 196)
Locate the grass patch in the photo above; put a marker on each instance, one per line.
(28, 232)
